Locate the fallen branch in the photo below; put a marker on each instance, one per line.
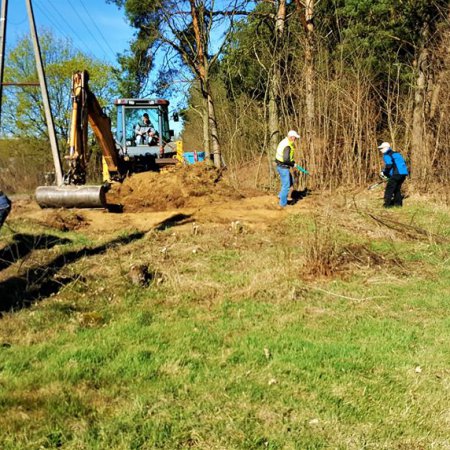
(410, 230)
(347, 297)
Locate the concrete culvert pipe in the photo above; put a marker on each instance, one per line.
(71, 196)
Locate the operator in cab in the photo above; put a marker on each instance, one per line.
(145, 132)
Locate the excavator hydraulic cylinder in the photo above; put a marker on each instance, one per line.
(71, 196)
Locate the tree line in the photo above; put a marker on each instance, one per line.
(347, 74)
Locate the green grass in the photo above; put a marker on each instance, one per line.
(236, 348)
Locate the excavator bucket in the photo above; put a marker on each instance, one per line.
(71, 196)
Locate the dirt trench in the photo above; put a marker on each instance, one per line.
(200, 193)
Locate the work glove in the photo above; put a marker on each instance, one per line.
(383, 176)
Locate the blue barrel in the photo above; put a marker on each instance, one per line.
(193, 157)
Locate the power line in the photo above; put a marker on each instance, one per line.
(69, 27)
(77, 23)
(20, 22)
(96, 27)
(75, 9)
(55, 23)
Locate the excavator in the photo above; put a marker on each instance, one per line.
(123, 154)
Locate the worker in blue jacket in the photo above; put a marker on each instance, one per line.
(5, 207)
(395, 171)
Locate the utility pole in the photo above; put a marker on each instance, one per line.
(44, 92)
(42, 82)
(2, 48)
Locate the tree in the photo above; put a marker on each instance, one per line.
(275, 73)
(356, 73)
(22, 109)
(185, 28)
(306, 11)
(259, 61)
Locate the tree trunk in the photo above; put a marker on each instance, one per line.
(309, 74)
(309, 47)
(274, 128)
(214, 132)
(275, 77)
(420, 158)
(202, 69)
(206, 140)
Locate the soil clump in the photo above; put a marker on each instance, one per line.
(65, 220)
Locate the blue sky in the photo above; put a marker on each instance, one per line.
(94, 26)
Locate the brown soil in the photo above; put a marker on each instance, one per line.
(178, 187)
(182, 195)
(66, 220)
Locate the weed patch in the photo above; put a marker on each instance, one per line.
(327, 254)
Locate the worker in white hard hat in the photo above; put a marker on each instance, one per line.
(284, 159)
(395, 172)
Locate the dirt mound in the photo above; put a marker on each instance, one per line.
(177, 187)
(65, 220)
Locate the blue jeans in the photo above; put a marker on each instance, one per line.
(5, 208)
(286, 183)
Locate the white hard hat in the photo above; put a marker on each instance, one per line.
(294, 134)
(384, 147)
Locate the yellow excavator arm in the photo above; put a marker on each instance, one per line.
(86, 108)
(74, 193)
(117, 161)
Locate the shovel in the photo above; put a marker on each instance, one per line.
(301, 169)
(375, 185)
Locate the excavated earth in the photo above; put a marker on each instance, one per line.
(177, 187)
(181, 194)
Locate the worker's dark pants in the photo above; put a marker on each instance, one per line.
(5, 208)
(392, 193)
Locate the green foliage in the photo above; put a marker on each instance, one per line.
(249, 55)
(376, 34)
(245, 58)
(136, 64)
(168, 25)
(135, 67)
(23, 114)
(383, 33)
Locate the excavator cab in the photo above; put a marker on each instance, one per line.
(144, 139)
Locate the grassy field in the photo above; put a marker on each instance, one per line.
(326, 330)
